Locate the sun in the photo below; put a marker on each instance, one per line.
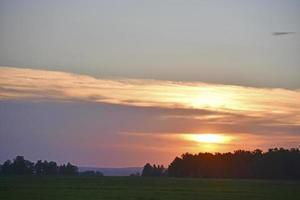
(210, 138)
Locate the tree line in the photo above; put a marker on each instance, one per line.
(154, 170)
(277, 163)
(21, 166)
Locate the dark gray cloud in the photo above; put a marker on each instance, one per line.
(282, 33)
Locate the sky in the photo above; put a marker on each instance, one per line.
(123, 83)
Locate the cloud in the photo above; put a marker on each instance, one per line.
(196, 106)
(277, 106)
(183, 106)
(28, 83)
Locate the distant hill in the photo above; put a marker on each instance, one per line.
(126, 171)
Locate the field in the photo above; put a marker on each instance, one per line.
(86, 188)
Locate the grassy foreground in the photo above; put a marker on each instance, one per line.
(106, 188)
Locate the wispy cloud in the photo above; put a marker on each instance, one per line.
(29, 83)
(216, 107)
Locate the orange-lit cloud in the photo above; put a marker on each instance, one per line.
(19, 83)
(226, 103)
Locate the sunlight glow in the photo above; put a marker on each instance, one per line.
(208, 98)
(209, 138)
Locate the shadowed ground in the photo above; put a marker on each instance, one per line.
(78, 187)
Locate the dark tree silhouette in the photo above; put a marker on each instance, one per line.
(50, 168)
(39, 167)
(274, 164)
(154, 170)
(21, 166)
(68, 169)
(147, 170)
(91, 173)
(6, 168)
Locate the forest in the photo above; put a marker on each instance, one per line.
(277, 163)
(21, 166)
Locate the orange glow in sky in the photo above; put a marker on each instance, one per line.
(209, 138)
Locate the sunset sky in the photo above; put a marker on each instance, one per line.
(122, 83)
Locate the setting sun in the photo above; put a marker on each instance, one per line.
(209, 138)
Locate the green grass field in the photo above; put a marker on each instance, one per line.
(85, 188)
